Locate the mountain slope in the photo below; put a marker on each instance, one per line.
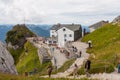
(29, 60)
(106, 48)
(117, 20)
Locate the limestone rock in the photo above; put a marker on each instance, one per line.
(116, 20)
(6, 61)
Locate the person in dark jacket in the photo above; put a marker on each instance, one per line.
(87, 67)
(119, 67)
(50, 68)
(75, 70)
(80, 53)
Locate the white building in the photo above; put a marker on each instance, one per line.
(97, 25)
(54, 29)
(65, 33)
(53, 33)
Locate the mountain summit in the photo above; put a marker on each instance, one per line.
(17, 36)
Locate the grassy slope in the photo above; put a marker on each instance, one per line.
(66, 65)
(30, 61)
(16, 53)
(106, 45)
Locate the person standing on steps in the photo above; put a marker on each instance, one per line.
(87, 67)
(80, 53)
(75, 70)
(50, 68)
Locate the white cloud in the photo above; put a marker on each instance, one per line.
(83, 12)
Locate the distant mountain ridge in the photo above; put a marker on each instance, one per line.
(40, 30)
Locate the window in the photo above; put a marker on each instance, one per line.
(65, 35)
(52, 31)
(70, 35)
(50, 42)
(53, 36)
(54, 42)
(65, 40)
(64, 29)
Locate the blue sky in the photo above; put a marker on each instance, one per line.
(85, 12)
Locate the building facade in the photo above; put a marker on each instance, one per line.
(65, 33)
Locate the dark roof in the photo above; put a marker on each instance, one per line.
(72, 27)
(99, 24)
(56, 27)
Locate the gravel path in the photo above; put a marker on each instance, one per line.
(81, 47)
(79, 61)
(60, 58)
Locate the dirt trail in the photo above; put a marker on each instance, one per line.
(79, 61)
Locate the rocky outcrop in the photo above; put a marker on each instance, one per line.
(116, 20)
(6, 61)
(17, 36)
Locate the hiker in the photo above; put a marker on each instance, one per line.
(80, 53)
(119, 67)
(84, 32)
(26, 73)
(89, 44)
(35, 70)
(87, 67)
(75, 49)
(50, 70)
(75, 70)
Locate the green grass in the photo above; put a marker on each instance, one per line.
(66, 65)
(36, 77)
(28, 62)
(106, 47)
(16, 53)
